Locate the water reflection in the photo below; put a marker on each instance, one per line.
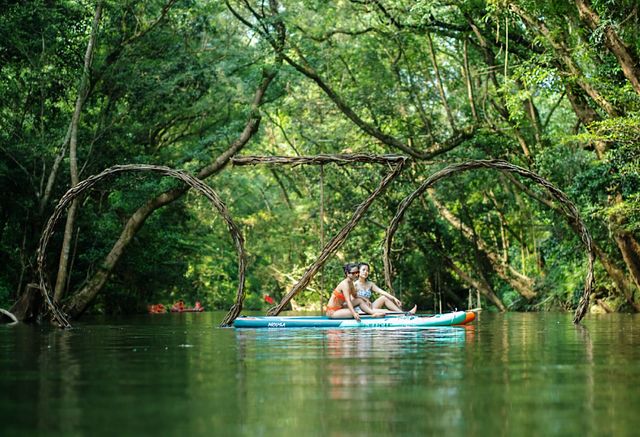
(65, 386)
(346, 381)
(370, 370)
(513, 374)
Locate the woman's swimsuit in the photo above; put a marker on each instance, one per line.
(340, 300)
(364, 293)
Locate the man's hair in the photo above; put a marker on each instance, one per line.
(348, 266)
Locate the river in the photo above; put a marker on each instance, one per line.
(179, 374)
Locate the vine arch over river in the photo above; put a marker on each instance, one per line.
(568, 208)
(57, 315)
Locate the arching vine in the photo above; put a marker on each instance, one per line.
(567, 206)
(58, 316)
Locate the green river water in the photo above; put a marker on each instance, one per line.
(179, 374)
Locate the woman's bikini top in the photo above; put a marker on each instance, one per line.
(339, 295)
(363, 292)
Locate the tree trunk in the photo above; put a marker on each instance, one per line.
(467, 75)
(521, 283)
(564, 53)
(629, 63)
(80, 301)
(629, 248)
(586, 115)
(27, 307)
(534, 117)
(63, 263)
(626, 288)
(443, 97)
(504, 241)
(479, 284)
(44, 199)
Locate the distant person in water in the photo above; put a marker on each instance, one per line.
(365, 289)
(344, 300)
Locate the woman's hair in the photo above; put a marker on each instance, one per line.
(364, 264)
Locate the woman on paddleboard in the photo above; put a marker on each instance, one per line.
(344, 299)
(365, 289)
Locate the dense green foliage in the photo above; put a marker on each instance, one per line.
(171, 83)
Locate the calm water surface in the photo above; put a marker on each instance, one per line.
(178, 374)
